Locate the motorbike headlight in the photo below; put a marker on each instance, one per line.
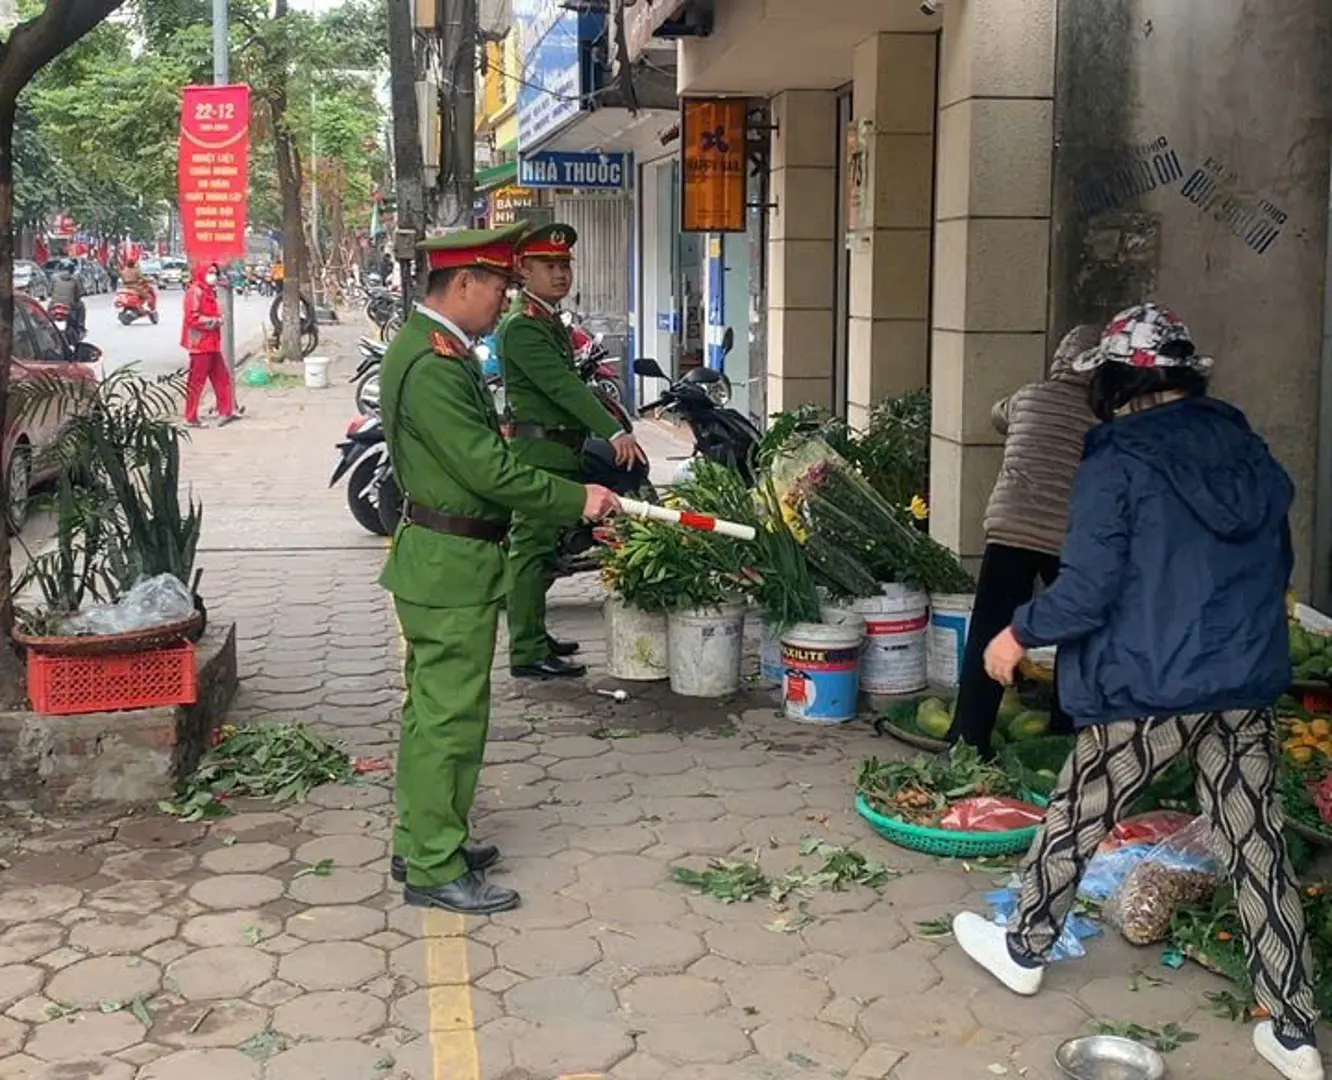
(720, 392)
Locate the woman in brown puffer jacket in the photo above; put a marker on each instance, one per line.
(1043, 425)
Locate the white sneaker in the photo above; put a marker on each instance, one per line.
(1302, 1063)
(987, 944)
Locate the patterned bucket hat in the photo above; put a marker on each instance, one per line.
(1137, 335)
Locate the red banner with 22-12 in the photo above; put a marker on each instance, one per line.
(214, 171)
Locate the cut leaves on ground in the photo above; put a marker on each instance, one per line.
(734, 881)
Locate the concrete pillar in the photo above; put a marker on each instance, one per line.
(801, 246)
(893, 100)
(992, 243)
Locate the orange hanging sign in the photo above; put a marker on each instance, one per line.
(214, 170)
(712, 155)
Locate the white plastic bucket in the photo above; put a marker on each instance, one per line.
(821, 672)
(770, 654)
(704, 650)
(635, 643)
(316, 372)
(950, 621)
(893, 661)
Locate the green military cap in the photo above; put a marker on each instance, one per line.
(490, 249)
(554, 241)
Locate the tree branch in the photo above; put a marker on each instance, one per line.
(37, 42)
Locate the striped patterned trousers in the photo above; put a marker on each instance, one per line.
(1234, 755)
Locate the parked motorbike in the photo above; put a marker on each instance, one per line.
(60, 316)
(701, 398)
(131, 306)
(365, 454)
(381, 305)
(366, 377)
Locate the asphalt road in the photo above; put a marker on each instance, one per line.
(157, 348)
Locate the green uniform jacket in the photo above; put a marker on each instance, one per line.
(444, 440)
(541, 385)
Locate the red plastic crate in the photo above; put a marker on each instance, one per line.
(69, 685)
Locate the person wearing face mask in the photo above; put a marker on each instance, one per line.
(553, 413)
(201, 337)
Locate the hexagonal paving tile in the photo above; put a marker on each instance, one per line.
(343, 850)
(121, 933)
(225, 971)
(937, 1017)
(201, 1065)
(230, 928)
(1125, 998)
(561, 999)
(350, 796)
(330, 1014)
(12, 1034)
(613, 872)
(244, 858)
(104, 978)
(552, 913)
(830, 1047)
(445, 1008)
(28, 903)
(697, 1039)
(150, 864)
(29, 940)
(777, 992)
(23, 1067)
(411, 961)
(344, 885)
(18, 981)
(336, 1059)
(236, 891)
(671, 995)
(872, 975)
(336, 965)
(651, 949)
(211, 1024)
(335, 822)
(856, 933)
(572, 1048)
(754, 945)
(340, 922)
(90, 1034)
(549, 952)
(135, 896)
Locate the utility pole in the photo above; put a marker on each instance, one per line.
(316, 253)
(222, 76)
(407, 164)
(457, 94)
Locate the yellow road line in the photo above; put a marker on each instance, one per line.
(453, 1046)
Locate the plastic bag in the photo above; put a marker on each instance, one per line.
(1077, 928)
(1179, 870)
(1150, 828)
(155, 601)
(991, 813)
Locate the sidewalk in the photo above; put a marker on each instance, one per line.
(251, 967)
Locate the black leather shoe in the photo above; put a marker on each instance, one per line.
(479, 857)
(471, 894)
(562, 648)
(553, 667)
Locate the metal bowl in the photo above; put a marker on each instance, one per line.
(1108, 1057)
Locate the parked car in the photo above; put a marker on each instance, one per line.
(40, 349)
(152, 270)
(173, 273)
(31, 279)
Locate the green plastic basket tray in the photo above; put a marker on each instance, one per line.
(957, 845)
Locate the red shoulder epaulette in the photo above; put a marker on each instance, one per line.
(533, 310)
(446, 345)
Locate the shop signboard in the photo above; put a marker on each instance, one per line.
(550, 94)
(507, 204)
(214, 169)
(712, 154)
(572, 169)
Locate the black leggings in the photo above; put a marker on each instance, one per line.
(1007, 581)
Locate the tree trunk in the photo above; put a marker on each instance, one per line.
(408, 167)
(293, 227)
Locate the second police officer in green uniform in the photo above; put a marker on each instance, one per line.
(460, 481)
(553, 412)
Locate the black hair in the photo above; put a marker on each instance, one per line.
(1114, 385)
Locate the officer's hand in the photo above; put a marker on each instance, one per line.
(598, 502)
(628, 450)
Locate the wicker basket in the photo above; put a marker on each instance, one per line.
(155, 637)
(945, 842)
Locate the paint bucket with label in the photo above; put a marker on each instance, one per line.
(704, 649)
(950, 621)
(895, 626)
(821, 672)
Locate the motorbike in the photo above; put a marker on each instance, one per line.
(366, 377)
(364, 453)
(60, 316)
(131, 306)
(701, 398)
(381, 305)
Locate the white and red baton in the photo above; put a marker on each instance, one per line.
(686, 519)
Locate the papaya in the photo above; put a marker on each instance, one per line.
(1301, 645)
(932, 718)
(1029, 725)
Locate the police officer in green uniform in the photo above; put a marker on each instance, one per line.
(460, 482)
(553, 412)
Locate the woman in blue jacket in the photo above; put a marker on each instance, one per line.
(1169, 614)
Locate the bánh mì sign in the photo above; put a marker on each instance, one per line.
(712, 158)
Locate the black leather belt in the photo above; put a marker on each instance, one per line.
(570, 437)
(492, 532)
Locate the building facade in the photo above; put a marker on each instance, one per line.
(948, 187)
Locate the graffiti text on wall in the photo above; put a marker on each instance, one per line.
(1130, 173)
(1212, 188)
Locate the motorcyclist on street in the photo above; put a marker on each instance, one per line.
(134, 280)
(65, 289)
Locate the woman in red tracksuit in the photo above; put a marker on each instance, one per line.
(201, 336)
